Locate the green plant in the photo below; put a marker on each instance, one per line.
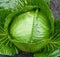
(27, 25)
(34, 35)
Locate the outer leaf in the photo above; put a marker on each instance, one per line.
(11, 4)
(6, 47)
(48, 1)
(57, 25)
(56, 53)
(40, 55)
(53, 48)
(15, 4)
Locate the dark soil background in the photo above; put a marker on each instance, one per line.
(55, 7)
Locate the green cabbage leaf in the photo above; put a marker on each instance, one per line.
(6, 47)
(53, 48)
(14, 5)
(48, 1)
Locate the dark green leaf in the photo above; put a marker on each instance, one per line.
(53, 48)
(48, 1)
(6, 47)
(57, 25)
(55, 53)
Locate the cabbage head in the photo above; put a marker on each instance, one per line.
(31, 27)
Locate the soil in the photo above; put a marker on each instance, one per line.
(55, 7)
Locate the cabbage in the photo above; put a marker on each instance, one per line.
(31, 27)
(25, 25)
